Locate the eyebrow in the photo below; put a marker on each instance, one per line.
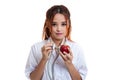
(61, 22)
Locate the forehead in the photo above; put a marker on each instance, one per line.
(59, 18)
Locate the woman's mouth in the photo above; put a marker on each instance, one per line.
(58, 34)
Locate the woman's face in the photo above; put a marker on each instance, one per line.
(59, 27)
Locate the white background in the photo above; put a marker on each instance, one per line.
(95, 26)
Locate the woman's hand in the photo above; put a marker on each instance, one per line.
(46, 49)
(67, 57)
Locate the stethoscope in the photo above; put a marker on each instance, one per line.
(50, 65)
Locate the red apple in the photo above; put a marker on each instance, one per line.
(64, 48)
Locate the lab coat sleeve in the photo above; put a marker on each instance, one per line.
(31, 62)
(81, 64)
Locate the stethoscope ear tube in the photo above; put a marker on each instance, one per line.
(50, 65)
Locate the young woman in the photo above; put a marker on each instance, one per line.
(46, 61)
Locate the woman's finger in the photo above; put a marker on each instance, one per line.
(70, 51)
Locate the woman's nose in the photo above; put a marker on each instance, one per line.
(58, 28)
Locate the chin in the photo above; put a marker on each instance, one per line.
(59, 38)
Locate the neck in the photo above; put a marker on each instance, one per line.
(57, 41)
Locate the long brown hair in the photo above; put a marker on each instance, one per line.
(49, 18)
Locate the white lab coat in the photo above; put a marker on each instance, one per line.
(56, 69)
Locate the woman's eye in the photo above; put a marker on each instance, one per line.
(63, 24)
(54, 24)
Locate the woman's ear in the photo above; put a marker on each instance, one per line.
(67, 27)
(50, 29)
